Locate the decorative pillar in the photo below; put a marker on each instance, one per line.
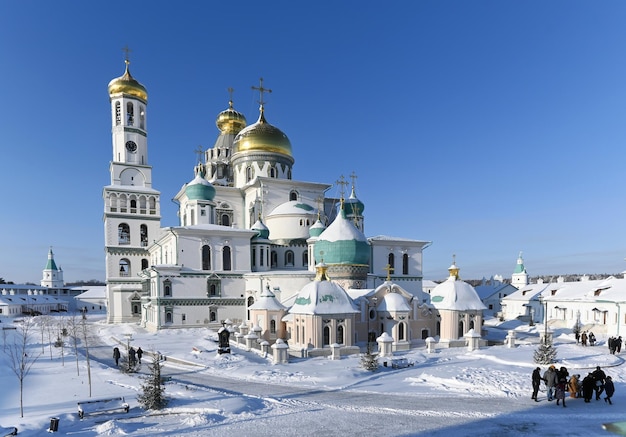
(250, 340)
(510, 339)
(281, 355)
(472, 339)
(335, 351)
(385, 345)
(430, 345)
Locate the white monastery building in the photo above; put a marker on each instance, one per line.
(254, 247)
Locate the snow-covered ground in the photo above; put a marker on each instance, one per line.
(449, 392)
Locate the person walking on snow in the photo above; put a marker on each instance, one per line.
(536, 378)
(139, 354)
(549, 377)
(116, 356)
(560, 390)
(609, 389)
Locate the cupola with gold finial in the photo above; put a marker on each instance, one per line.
(230, 121)
(127, 84)
(262, 136)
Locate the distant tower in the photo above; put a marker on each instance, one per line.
(132, 216)
(519, 278)
(52, 276)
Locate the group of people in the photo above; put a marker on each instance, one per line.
(615, 344)
(134, 356)
(584, 337)
(558, 383)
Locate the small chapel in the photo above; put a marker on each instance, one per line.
(258, 247)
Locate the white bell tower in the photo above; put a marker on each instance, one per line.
(132, 217)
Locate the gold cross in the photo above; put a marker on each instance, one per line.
(199, 152)
(230, 98)
(126, 50)
(342, 186)
(388, 269)
(261, 90)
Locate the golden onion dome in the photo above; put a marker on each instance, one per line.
(230, 121)
(127, 84)
(262, 137)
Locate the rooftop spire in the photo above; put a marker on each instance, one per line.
(261, 90)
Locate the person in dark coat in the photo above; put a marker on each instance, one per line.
(589, 385)
(609, 389)
(131, 356)
(618, 344)
(139, 354)
(116, 356)
(561, 388)
(599, 376)
(536, 383)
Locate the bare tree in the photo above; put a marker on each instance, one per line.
(73, 326)
(21, 358)
(85, 330)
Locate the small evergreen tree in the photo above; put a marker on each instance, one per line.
(152, 397)
(546, 352)
(369, 361)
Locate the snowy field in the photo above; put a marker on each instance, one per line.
(457, 392)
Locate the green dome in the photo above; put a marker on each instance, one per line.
(317, 229)
(353, 206)
(342, 243)
(262, 231)
(200, 189)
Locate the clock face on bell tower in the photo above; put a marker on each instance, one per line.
(131, 146)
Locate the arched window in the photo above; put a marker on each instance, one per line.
(249, 174)
(405, 264)
(401, 331)
(212, 316)
(213, 287)
(424, 334)
(144, 264)
(225, 220)
(143, 234)
(471, 324)
(272, 326)
(118, 114)
(123, 233)
(250, 303)
(340, 334)
(206, 257)
(167, 288)
(133, 206)
(461, 328)
(169, 317)
(274, 256)
(226, 258)
(124, 267)
(289, 258)
(391, 260)
(130, 114)
(326, 335)
(273, 172)
(293, 195)
(305, 258)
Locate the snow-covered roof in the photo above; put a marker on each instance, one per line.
(394, 302)
(457, 295)
(323, 297)
(267, 301)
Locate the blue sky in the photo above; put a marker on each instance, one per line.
(486, 127)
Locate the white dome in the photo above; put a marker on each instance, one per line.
(291, 220)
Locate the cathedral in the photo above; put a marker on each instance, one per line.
(253, 245)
